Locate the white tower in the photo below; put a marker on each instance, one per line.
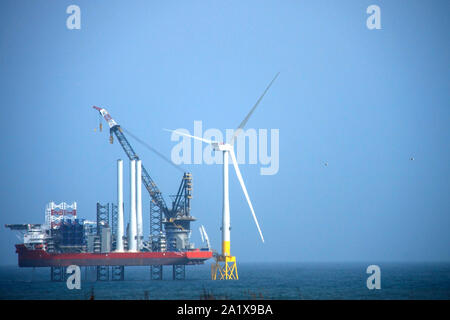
(119, 239)
(132, 244)
(226, 209)
(139, 204)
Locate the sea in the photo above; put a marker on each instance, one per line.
(297, 281)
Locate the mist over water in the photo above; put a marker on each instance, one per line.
(257, 281)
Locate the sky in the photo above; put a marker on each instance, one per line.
(363, 101)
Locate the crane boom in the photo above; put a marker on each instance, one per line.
(148, 182)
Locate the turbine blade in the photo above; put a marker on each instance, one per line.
(241, 181)
(201, 233)
(188, 135)
(206, 237)
(244, 122)
(204, 232)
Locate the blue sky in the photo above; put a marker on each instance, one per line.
(365, 101)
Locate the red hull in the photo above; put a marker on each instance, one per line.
(41, 258)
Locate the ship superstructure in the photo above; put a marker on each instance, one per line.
(65, 239)
(110, 243)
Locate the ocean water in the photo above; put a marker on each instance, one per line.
(257, 281)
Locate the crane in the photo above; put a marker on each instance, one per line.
(177, 219)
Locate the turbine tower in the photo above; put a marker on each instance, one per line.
(225, 266)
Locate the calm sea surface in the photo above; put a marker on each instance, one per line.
(257, 281)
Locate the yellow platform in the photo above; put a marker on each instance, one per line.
(224, 269)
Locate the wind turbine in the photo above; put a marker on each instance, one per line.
(229, 270)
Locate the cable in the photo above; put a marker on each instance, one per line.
(179, 168)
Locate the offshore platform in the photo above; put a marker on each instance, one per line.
(104, 244)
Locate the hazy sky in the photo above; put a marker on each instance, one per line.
(363, 101)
